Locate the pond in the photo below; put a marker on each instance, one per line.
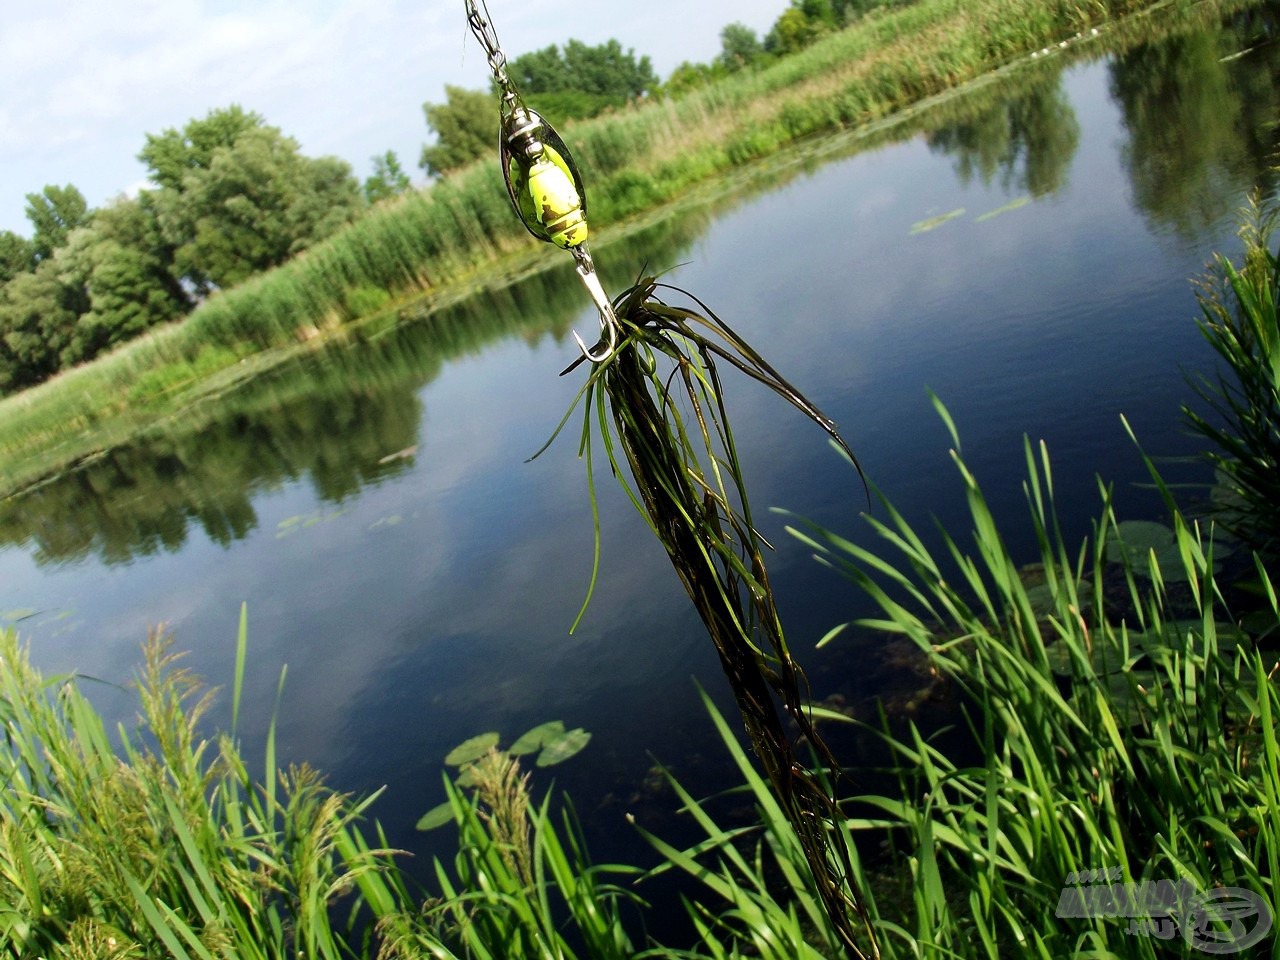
(1023, 249)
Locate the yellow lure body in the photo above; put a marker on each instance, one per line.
(550, 198)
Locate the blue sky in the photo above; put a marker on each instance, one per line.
(84, 81)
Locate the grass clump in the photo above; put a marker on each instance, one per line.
(161, 845)
(1239, 320)
(1126, 731)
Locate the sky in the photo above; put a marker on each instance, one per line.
(82, 82)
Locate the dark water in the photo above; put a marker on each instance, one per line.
(373, 506)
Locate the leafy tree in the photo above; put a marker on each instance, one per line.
(578, 81)
(791, 32)
(55, 212)
(38, 313)
(822, 12)
(466, 127)
(247, 205)
(120, 263)
(582, 80)
(169, 156)
(739, 46)
(689, 75)
(388, 178)
(847, 11)
(17, 255)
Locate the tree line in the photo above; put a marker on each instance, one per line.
(232, 196)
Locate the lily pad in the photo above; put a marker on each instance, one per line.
(1128, 703)
(472, 749)
(1181, 636)
(1130, 696)
(304, 521)
(1039, 592)
(436, 817)
(1014, 204)
(537, 738)
(564, 747)
(1134, 542)
(1103, 659)
(1133, 539)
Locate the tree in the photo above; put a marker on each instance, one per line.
(605, 69)
(466, 127)
(169, 156)
(790, 32)
(800, 24)
(739, 46)
(689, 75)
(242, 205)
(820, 12)
(17, 255)
(38, 313)
(108, 282)
(120, 263)
(54, 212)
(388, 178)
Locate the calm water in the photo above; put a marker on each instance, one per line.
(1025, 252)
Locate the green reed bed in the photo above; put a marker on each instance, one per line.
(162, 845)
(1243, 417)
(1123, 720)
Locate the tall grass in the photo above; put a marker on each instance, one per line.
(1240, 322)
(162, 844)
(1122, 725)
(1133, 734)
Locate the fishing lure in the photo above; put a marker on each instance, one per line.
(543, 182)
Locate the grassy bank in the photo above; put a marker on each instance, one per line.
(448, 238)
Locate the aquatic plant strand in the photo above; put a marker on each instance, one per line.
(689, 486)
